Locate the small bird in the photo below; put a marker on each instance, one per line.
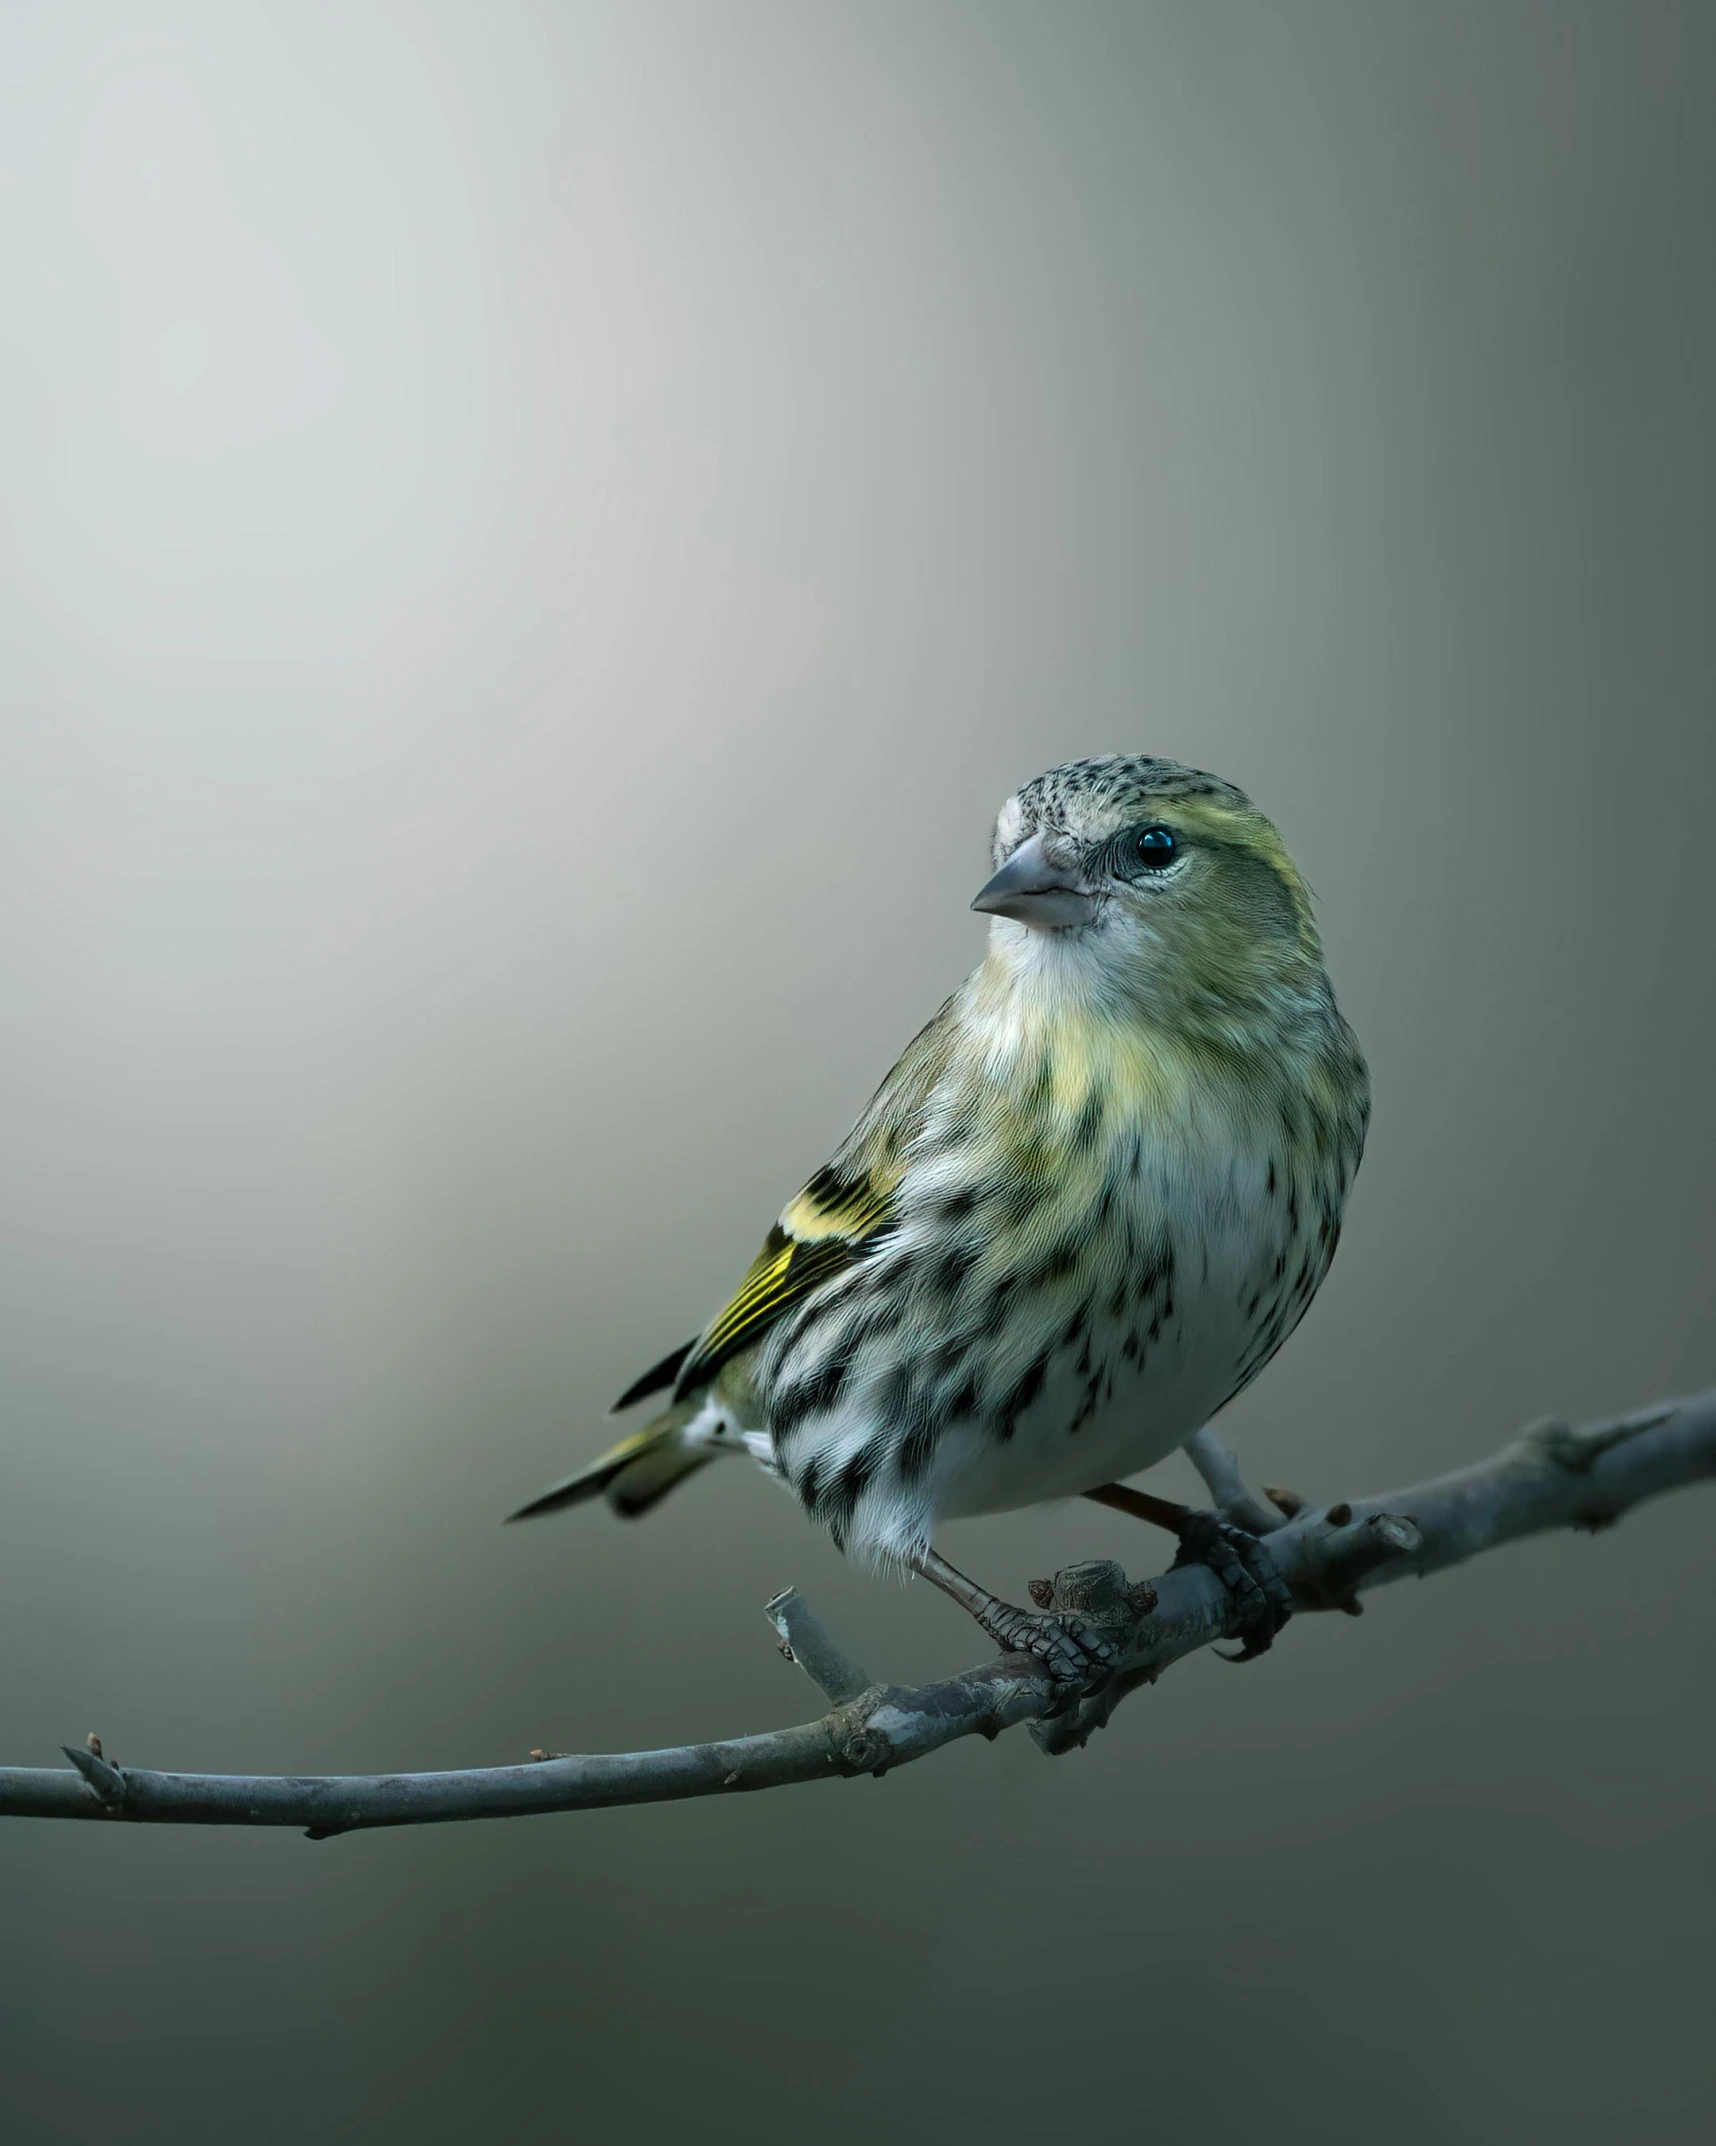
(1086, 1207)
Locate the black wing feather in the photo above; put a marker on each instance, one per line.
(655, 1378)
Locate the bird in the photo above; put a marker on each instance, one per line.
(1089, 1203)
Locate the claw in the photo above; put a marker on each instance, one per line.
(1077, 1653)
(1073, 1652)
(1248, 1572)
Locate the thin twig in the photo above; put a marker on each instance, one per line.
(1552, 1476)
(1230, 1494)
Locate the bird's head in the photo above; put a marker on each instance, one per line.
(1149, 881)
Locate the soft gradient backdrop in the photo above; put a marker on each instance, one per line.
(534, 539)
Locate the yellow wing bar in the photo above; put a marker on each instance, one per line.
(824, 1229)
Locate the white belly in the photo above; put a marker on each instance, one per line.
(1106, 1408)
(1062, 1446)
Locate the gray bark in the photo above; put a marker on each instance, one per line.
(1553, 1476)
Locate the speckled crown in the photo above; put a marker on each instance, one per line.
(1116, 783)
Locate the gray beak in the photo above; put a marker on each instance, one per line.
(1036, 891)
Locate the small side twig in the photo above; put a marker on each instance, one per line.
(107, 1780)
(805, 1639)
(1230, 1494)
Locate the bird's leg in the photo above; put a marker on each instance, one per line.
(1073, 1652)
(1225, 1539)
(1141, 1505)
(1230, 1496)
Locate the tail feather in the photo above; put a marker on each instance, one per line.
(632, 1475)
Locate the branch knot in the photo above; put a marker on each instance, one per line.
(1335, 1568)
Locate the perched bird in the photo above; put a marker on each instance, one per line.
(1082, 1212)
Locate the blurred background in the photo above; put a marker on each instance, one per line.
(534, 540)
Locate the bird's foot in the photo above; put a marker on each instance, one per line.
(1076, 1629)
(1076, 1653)
(1248, 1572)
(1094, 1606)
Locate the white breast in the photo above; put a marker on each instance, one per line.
(1154, 1393)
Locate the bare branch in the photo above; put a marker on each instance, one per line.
(1553, 1476)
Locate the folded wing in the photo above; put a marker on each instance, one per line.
(846, 1208)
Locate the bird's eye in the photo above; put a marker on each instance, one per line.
(1152, 849)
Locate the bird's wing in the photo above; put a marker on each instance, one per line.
(846, 1207)
(655, 1378)
(821, 1233)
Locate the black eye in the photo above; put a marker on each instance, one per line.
(1152, 849)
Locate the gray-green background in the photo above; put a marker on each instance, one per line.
(534, 539)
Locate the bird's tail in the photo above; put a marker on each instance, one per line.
(634, 1474)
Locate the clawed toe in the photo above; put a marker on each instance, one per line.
(1074, 1652)
(1248, 1572)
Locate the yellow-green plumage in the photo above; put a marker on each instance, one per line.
(1086, 1206)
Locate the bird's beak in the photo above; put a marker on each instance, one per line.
(1037, 891)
